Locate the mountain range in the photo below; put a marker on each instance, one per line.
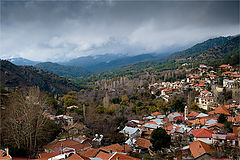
(210, 51)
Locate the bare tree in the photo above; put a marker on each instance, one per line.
(24, 121)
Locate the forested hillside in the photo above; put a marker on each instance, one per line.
(62, 70)
(12, 76)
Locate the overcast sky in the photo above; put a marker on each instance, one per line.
(57, 31)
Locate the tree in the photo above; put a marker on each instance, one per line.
(160, 139)
(222, 118)
(177, 105)
(24, 119)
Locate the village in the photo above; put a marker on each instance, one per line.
(212, 134)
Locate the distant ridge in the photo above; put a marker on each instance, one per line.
(22, 61)
(62, 70)
(12, 76)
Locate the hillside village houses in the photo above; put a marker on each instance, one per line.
(195, 133)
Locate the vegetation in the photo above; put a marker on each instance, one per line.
(160, 139)
(12, 76)
(62, 70)
(24, 119)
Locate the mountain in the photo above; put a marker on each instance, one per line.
(228, 53)
(22, 61)
(92, 60)
(62, 70)
(222, 50)
(120, 62)
(199, 48)
(12, 76)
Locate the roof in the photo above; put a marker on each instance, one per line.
(199, 148)
(148, 132)
(119, 156)
(48, 155)
(219, 136)
(91, 152)
(78, 157)
(114, 148)
(129, 130)
(103, 155)
(216, 124)
(193, 114)
(220, 110)
(234, 119)
(224, 65)
(158, 121)
(143, 143)
(156, 113)
(56, 145)
(202, 133)
(231, 136)
(211, 121)
(151, 125)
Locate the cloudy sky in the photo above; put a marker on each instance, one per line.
(61, 30)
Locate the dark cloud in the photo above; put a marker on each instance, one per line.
(56, 30)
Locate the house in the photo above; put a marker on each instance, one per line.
(150, 125)
(73, 143)
(77, 156)
(120, 156)
(64, 120)
(4, 154)
(155, 114)
(200, 150)
(202, 134)
(74, 129)
(103, 155)
(220, 138)
(90, 152)
(204, 102)
(192, 115)
(220, 110)
(225, 67)
(131, 132)
(227, 74)
(216, 127)
(171, 116)
(113, 148)
(227, 83)
(57, 155)
(142, 144)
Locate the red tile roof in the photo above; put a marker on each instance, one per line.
(202, 133)
(91, 152)
(156, 114)
(143, 143)
(103, 155)
(78, 157)
(220, 110)
(148, 132)
(57, 145)
(193, 114)
(48, 155)
(119, 156)
(114, 148)
(199, 148)
(224, 66)
(216, 124)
